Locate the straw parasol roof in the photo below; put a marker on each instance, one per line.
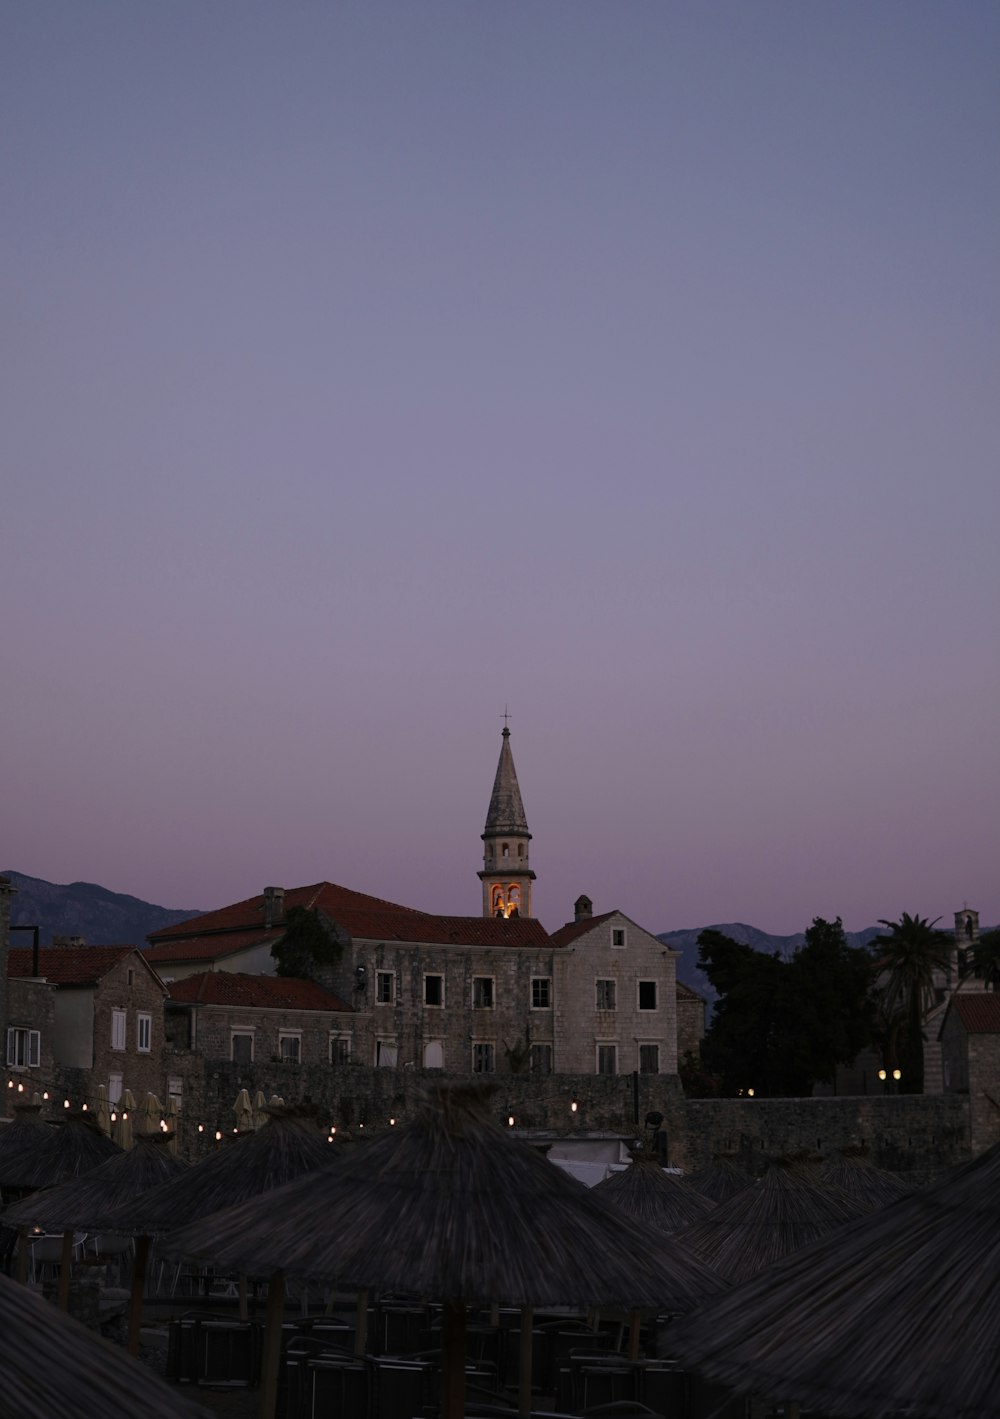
(898, 1311)
(84, 1203)
(52, 1365)
(450, 1206)
(28, 1130)
(778, 1215)
(126, 1119)
(652, 1197)
(73, 1147)
(872, 1187)
(288, 1146)
(720, 1181)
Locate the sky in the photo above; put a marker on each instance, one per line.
(370, 367)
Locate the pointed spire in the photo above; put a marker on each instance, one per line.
(506, 811)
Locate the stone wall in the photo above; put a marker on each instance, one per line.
(128, 986)
(30, 1006)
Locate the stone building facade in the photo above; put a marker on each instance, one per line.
(970, 1059)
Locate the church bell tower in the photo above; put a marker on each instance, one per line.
(506, 874)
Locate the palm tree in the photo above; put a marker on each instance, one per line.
(908, 956)
(986, 958)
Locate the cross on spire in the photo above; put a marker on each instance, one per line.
(506, 716)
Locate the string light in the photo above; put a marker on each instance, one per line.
(65, 1103)
(392, 1123)
(114, 1116)
(20, 1088)
(201, 1128)
(510, 1120)
(218, 1135)
(573, 1107)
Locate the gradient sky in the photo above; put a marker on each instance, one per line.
(368, 366)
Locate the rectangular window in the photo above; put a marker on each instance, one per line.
(607, 1059)
(434, 990)
(115, 1085)
(605, 995)
(483, 1059)
(175, 1091)
(434, 1054)
(482, 993)
(647, 995)
(143, 1033)
(290, 1048)
(617, 936)
(118, 1029)
(130, 974)
(541, 992)
(385, 987)
(386, 1054)
(340, 1049)
(242, 1047)
(24, 1048)
(649, 1059)
(541, 1059)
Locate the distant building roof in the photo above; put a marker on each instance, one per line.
(68, 965)
(209, 948)
(254, 992)
(574, 929)
(248, 915)
(978, 1012)
(687, 993)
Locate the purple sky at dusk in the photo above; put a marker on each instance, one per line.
(367, 366)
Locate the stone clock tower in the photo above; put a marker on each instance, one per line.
(506, 874)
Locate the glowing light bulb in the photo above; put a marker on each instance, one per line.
(510, 1120)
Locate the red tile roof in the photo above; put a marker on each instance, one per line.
(978, 1012)
(254, 992)
(247, 915)
(209, 948)
(68, 965)
(574, 929)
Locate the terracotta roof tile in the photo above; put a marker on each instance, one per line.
(208, 948)
(574, 929)
(68, 965)
(254, 992)
(249, 914)
(978, 1012)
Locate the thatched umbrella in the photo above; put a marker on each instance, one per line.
(898, 1311)
(52, 1365)
(720, 1180)
(86, 1203)
(27, 1130)
(872, 1187)
(243, 1112)
(780, 1214)
(152, 1114)
(653, 1197)
(450, 1206)
(103, 1111)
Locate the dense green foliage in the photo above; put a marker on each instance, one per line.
(908, 955)
(781, 1026)
(986, 958)
(307, 947)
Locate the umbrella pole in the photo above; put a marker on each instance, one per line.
(635, 1326)
(271, 1358)
(453, 1368)
(138, 1293)
(360, 1323)
(524, 1360)
(22, 1257)
(65, 1266)
(244, 1311)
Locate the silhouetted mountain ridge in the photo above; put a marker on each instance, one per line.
(101, 917)
(686, 941)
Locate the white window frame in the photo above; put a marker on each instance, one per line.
(603, 1045)
(119, 1026)
(648, 1044)
(484, 1053)
(613, 983)
(342, 1044)
(245, 1033)
(547, 982)
(647, 1009)
(116, 1087)
(619, 931)
(175, 1090)
(144, 1018)
(479, 1005)
(23, 1041)
(290, 1037)
(381, 976)
(434, 975)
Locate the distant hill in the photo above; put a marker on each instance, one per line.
(686, 942)
(101, 917)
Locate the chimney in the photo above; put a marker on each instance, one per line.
(7, 890)
(274, 905)
(583, 909)
(69, 941)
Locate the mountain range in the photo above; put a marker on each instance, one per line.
(102, 917)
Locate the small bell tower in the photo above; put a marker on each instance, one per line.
(506, 874)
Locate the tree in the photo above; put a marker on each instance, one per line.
(907, 957)
(308, 946)
(986, 958)
(780, 1027)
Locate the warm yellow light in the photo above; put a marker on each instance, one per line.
(218, 1135)
(10, 1083)
(125, 1115)
(750, 1092)
(114, 1116)
(46, 1094)
(201, 1128)
(65, 1103)
(881, 1074)
(84, 1108)
(510, 1120)
(332, 1129)
(573, 1107)
(897, 1074)
(392, 1123)
(20, 1088)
